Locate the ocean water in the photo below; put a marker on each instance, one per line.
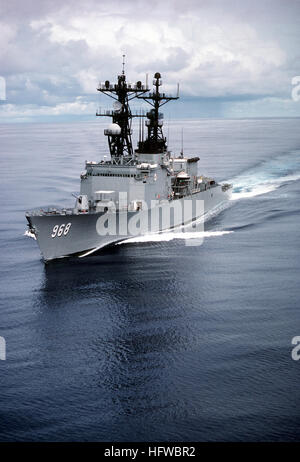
(154, 340)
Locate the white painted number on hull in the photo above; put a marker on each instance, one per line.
(61, 230)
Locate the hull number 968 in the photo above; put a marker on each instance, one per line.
(61, 230)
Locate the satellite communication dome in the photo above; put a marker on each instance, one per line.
(114, 129)
(183, 175)
(117, 106)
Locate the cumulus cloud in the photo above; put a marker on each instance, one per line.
(53, 52)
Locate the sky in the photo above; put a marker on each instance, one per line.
(231, 58)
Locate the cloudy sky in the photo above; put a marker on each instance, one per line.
(232, 58)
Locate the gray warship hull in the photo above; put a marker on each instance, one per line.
(137, 192)
(83, 237)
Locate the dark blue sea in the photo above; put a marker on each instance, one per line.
(154, 340)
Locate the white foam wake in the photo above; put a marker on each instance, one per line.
(258, 191)
(29, 234)
(170, 236)
(266, 177)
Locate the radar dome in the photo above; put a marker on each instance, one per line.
(114, 129)
(117, 106)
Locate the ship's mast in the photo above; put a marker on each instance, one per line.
(119, 132)
(155, 142)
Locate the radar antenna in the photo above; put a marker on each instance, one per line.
(155, 142)
(119, 132)
(123, 69)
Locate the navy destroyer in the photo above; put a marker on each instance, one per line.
(136, 191)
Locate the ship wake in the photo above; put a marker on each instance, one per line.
(186, 232)
(170, 236)
(266, 176)
(30, 234)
